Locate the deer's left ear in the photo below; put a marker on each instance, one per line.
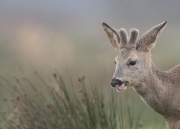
(148, 40)
(112, 35)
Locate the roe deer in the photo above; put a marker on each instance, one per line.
(134, 68)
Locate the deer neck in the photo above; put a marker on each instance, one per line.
(153, 89)
(154, 80)
(158, 76)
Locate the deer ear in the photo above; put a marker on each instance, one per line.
(148, 40)
(112, 35)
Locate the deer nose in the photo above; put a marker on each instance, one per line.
(115, 82)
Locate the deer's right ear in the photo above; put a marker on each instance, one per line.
(148, 40)
(112, 35)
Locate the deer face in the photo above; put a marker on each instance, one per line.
(129, 70)
(133, 60)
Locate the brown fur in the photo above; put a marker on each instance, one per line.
(159, 89)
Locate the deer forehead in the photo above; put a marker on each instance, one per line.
(126, 55)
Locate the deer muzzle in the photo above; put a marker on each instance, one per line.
(118, 84)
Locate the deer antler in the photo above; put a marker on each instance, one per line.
(133, 36)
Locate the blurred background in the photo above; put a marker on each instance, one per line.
(68, 35)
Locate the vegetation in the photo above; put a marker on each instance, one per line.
(59, 105)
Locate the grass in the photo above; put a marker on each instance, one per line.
(58, 105)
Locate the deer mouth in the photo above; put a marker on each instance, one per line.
(118, 84)
(121, 87)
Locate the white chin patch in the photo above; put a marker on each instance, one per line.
(121, 87)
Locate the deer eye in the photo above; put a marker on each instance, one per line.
(132, 63)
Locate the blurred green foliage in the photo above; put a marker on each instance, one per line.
(80, 105)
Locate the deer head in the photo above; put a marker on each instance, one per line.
(133, 62)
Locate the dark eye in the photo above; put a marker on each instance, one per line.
(115, 62)
(132, 63)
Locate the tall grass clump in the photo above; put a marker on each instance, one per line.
(58, 105)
